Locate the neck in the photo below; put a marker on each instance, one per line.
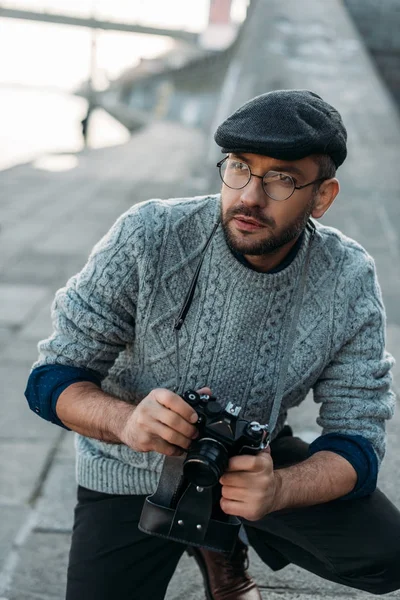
(266, 262)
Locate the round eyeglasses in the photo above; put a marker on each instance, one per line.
(236, 174)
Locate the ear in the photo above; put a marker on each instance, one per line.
(327, 192)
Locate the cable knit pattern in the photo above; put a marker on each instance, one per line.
(116, 317)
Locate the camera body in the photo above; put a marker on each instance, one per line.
(185, 507)
(222, 434)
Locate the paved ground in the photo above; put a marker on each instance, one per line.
(50, 221)
(48, 224)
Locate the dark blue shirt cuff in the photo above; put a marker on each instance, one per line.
(46, 383)
(358, 451)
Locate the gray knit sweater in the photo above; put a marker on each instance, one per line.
(116, 317)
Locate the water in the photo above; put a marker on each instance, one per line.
(35, 122)
(39, 56)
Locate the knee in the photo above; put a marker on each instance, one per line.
(377, 578)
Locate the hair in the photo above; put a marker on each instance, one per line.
(326, 168)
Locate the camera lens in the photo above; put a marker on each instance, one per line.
(206, 461)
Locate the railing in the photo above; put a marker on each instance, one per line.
(94, 23)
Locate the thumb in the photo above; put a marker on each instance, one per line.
(205, 390)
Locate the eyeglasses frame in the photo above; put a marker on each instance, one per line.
(295, 187)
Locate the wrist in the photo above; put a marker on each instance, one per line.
(279, 496)
(86, 409)
(118, 426)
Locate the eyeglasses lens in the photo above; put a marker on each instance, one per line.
(236, 175)
(278, 186)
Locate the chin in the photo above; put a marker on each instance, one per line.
(244, 245)
(250, 245)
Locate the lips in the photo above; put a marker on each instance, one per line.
(247, 223)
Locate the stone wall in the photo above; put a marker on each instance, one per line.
(379, 24)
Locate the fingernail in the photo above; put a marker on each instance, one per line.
(194, 418)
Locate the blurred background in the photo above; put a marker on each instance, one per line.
(59, 58)
(55, 62)
(107, 103)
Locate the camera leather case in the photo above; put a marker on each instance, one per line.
(183, 512)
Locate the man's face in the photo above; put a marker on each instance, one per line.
(253, 223)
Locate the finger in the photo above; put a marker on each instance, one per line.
(230, 492)
(240, 479)
(164, 447)
(232, 507)
(176, 404)
(205, 390)
(170, 435)
(247, 462)
(155, 443)
(241, 509)
(177, 423)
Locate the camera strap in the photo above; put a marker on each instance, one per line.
(181, 511)
(297, 303)
(186, 305)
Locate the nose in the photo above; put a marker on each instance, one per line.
(253, 193)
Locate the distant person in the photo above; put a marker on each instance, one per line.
(85, 123)
(283, 305)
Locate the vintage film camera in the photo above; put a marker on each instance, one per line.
(185, 506)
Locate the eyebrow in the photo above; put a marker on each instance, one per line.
(284, 168)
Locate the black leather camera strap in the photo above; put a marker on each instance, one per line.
(181, 511)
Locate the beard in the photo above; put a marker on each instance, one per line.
(273, 241)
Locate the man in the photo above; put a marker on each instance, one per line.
(281, 306)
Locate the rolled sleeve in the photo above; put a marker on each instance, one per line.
(358, 452)
(354, 390)
(46, 383)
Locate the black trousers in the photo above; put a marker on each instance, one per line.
(352, 542)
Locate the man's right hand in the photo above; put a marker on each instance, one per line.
(162, 422)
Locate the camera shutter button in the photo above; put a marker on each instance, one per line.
(213, 409)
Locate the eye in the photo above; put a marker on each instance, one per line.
(286, 179)
(237, 165)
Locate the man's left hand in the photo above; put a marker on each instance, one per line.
(249, 486)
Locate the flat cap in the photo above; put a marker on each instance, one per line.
(287, 125)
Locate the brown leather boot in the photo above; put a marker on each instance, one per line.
(225, 577)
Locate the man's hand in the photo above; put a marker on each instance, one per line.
(249, 486)
(162, 422)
